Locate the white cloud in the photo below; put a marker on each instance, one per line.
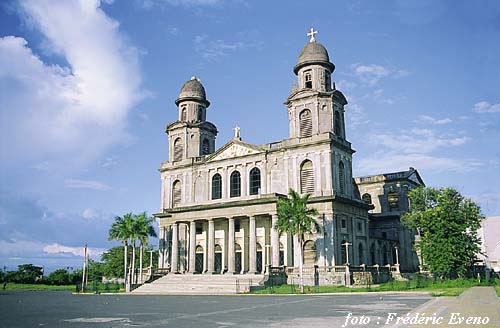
(373, 73)
(417, 140)
(76, 251)
(68, 113)
(434, 121)
(486, 107)
(394, 161)
(85, 184)
(213, 50)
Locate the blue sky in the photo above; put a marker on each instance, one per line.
(87, 88)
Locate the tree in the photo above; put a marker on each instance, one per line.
(122, 230)
(145, 229)
(59, 277)
(447, 223)
(296, 218)
(26, 274)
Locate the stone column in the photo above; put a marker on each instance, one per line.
(275, 242)
(252, 246)
(192, 246)
(161, 248)
(175, 247)
(230, 246)
(211, 246)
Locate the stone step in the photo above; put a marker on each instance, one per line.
(200, 284)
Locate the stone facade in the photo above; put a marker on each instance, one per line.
(218, 206)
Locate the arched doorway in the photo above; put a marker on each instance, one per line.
(237, 258)
(198, 264)
(282, 255)
(218, 259)
(309, 253)
(259, 258)
(361, 254)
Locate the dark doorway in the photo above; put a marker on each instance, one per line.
(198, 267)
(237, 258)
(218, 259)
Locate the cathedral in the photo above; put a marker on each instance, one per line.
(218, 206)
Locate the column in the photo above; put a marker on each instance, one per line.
(192, 246)
(161, 248)
(211, 246)
(230, 247)
(296, 251)
(275, 242)
(175, 247)
(252, 246)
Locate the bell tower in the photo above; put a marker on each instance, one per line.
(314, 106)
(191, 135)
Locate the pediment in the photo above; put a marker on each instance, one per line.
(234, 149)
(415, 177)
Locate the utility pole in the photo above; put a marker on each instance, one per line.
(84, 267)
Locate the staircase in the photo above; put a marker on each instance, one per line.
(200, 284)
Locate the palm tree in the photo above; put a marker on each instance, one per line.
(121, 230)
(294, 217)
(145, 230)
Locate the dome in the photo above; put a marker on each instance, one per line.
(192, 90)
(313, 53)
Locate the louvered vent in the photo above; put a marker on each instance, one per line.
(305, 123)
(307, 177)
(176, 194)
(178, 150)
(341, 178)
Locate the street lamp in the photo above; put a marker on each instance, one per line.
(347, 244)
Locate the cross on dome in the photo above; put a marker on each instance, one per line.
(311, 34)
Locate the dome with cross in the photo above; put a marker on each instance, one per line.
(313, 53)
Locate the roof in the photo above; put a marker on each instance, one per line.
(412, 175)
(193, 90)
(313, 53)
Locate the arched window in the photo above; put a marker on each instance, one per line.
(306, 177)
(361, 254)
(205, 147)
(235, 184)
(341, 177)
(255, 181)
(184, 114)
(309, 253)
(367, 198)
(337, 128)
(176, 193)
(308, 79)
(216, 186)
(178, 149)
(305, 123)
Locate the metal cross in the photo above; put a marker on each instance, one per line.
(311, 34)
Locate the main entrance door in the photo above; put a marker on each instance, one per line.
(198, 267)
(218, 259)
(259, 258)
(237, 258)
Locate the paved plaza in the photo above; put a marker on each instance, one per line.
(62, 309)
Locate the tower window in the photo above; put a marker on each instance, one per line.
(254, 181)
(205, 147)
(184, 114)
(327, 81)
(305, 123)
(216, 186)
(178, 149)
(341, 177)
(306, 177)
(308, 79)
(367, 198)
(200, 113)
(235, 184)
(176, 193)
(337, 124)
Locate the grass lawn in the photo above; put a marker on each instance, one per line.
(14, 286)
(437, 288)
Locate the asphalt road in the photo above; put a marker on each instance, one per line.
(62, 309)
